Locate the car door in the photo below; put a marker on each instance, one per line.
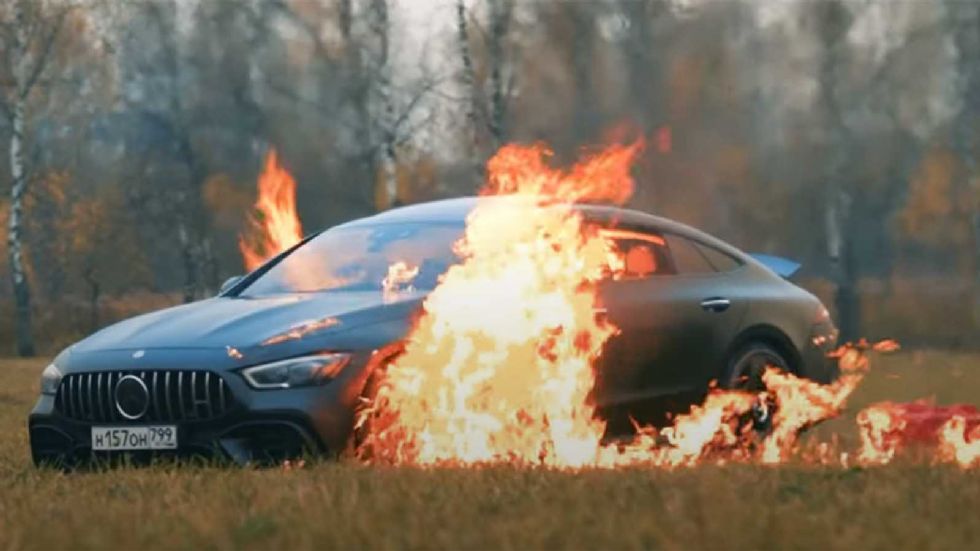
(674, 320)
(710, 305)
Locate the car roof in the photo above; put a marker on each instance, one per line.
(456, 210)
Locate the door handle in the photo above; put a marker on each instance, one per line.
(715, 304)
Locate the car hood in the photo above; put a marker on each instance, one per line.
(248, 330)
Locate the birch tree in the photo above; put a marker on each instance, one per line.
(355, 86)
(486, 102)
(472, 97)
(29, 34)
(380, 28)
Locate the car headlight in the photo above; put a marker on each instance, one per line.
(296, 372)
(50, 379)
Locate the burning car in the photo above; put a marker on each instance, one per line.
(279, 363)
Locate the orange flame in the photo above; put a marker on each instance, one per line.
(880, 427)
(722, 428)
(959, 444)
(952, 433)
(398, 280)
(803, 403)
(274, 225)
(499, 365)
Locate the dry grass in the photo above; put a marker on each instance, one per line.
(347, 506)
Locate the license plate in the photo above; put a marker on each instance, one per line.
(162, 437)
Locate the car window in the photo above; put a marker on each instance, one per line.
(722, 262)
(687, 257)
(643, 254)
(360, 258)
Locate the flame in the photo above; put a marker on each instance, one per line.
(959, 444)
(880, 427)
(803, 403)
(274, 226)
(500, 364)
(398, 280)
(723, 428)
(951, 433)
(718, 427)
(601, 177)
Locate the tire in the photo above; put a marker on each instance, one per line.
(745, 367)
(744, 372)
(369, 393)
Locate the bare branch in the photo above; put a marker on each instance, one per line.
(47, 46)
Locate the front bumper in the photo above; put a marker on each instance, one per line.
(261, 426)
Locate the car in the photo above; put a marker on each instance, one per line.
(277, 364)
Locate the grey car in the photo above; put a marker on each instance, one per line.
(270, 368)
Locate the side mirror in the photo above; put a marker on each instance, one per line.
(229, 283)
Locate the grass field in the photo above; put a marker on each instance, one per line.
(342, 505)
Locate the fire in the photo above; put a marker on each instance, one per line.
(716, 428)
(960, 444)
(723, 428)
(500, 364)
(274, 226)
(886, 428)
(398, 280)
(881, 427)
(802, 403)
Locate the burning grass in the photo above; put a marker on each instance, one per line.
(907, 504)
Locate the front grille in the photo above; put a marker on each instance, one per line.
(174, 396)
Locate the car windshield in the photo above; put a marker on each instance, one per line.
(362, 258)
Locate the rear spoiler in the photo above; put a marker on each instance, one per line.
(782, 266)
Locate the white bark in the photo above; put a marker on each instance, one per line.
(18, 186)
(17, 190)
(833, 229)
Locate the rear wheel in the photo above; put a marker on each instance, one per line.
(744, 372)
(748, 363)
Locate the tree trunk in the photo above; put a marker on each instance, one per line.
(15, 241)
(469, 82)
(95, 293)
(500, 14)
(192, 224)
(585, 115)
(840, 251)
(386, 148)
(187, 259)
(389, 174)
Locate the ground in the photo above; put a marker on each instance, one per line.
(331, 505)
